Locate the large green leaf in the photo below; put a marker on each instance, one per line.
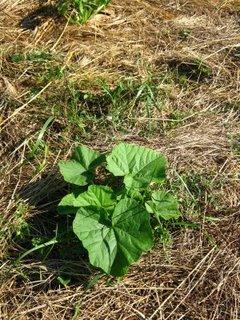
(66, 205)
(164, 205)
(114, 242)
(139, 165)
(96, 195)
(88, 158)
(79, 170)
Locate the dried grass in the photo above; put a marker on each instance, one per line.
(197, 276)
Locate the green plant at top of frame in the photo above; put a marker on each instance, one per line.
(79, 11)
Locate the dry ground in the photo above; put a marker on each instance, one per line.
(165, 74)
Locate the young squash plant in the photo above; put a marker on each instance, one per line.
(115, 219)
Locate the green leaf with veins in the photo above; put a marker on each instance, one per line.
(117, 240)
(96, 195)
(139, 165)
(164, 205)
(66, 205)
(79, 170)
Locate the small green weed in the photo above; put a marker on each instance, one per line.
(177, 118)
(39, 144)
(235, 144)
(20, 224)
(194, 70)
(195, 192)
(36, 56)
(128, 104)
(185, 33)
(51, 73)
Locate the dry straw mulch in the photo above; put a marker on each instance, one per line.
(197, 275)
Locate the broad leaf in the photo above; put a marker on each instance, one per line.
(96, 195)
(139, 165)
(131, 223)
(113, 243)
(79, 170)
(73, 172)
(88, 158)
(164, 205)
(66, 205)
(99, 196)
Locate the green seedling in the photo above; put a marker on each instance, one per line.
(115, 220)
